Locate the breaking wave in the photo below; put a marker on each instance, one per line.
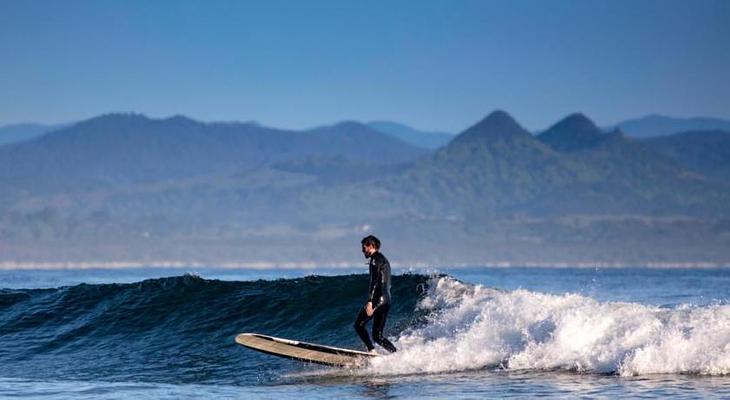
(181, 329)
(474, 327)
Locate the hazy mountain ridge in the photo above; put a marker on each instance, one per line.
(648, 126)
(497, 167)
(703, 152)
(416, 137)
(127, 148)
(162, 184)
(488, 168)
(660, 125)
(574, 132)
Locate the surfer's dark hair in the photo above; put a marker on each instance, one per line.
(371, 240)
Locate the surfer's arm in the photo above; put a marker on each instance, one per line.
(376, 280)
(375, 287)
(379, 284)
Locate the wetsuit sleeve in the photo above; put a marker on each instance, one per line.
(376, 280)
(384, 282)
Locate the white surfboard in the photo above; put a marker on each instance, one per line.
(303, 351)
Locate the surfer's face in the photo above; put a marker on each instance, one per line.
(368, 250)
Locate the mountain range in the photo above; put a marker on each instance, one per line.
(660, 125)
(425, 139)
(121, 149)
(124, 185)
(648, 126)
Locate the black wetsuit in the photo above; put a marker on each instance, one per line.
(379, 295)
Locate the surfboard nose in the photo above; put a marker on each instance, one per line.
(242, 338)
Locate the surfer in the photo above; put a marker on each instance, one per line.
(378, 303)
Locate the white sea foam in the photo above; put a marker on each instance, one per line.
(474, 327)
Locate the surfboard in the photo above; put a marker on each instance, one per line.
(303, 351)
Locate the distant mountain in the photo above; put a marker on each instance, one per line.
(20, 132)
(613, 160)
(424, 139)
(704, 152)
(497, 167)
(495, 127)
(621, 175)
(658, 125)
(127, 148)
(360, 141)
(626, 175)
(574, 132)
(124, 186)
(493, 166)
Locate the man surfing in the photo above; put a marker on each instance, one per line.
(378, 303)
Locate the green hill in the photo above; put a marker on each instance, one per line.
(703, 152)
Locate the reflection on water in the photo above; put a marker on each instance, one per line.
(501, 384)
(377, 389)
(323, 383)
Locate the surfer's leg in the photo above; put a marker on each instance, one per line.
(379, 318)
(362, 319)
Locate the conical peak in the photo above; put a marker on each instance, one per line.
(496, 125)
(578, 121)
(498, 119)
(573, 132)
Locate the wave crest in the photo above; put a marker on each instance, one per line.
(474, 327)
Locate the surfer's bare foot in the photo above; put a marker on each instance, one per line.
(373, 351)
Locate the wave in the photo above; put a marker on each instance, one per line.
(171, 329)
(473, 327)
(181, 329)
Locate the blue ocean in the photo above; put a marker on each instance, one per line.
(461, 333)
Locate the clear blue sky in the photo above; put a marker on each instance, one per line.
(438, 65)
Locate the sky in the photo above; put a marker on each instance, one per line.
(434, 65)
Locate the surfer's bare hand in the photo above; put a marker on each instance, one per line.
(369, 309)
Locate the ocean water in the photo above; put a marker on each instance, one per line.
(461, 333)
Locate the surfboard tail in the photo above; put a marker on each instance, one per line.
(303, 351)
